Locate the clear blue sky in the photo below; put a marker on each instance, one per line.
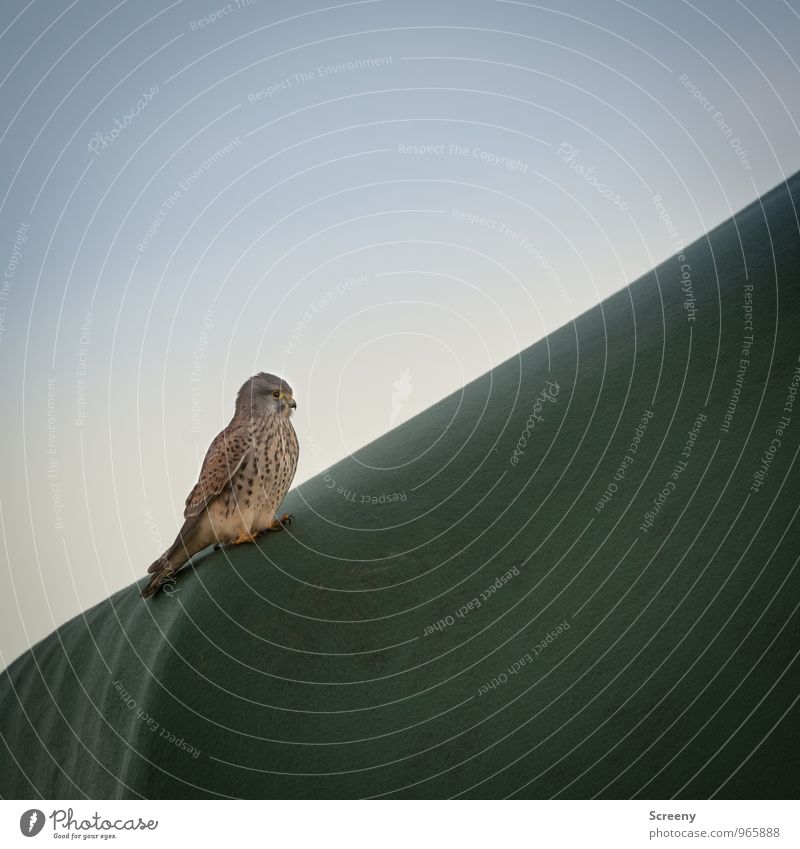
(354, 196)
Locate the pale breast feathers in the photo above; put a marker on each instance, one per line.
(291, 449)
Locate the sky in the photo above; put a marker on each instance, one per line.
(377, 200)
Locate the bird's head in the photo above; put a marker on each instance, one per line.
(265, 394)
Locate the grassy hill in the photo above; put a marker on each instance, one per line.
(575, 578)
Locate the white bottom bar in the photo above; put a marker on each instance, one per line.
(403, 824)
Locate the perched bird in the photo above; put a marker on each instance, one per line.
(246, 473)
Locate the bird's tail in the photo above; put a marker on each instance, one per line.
(162, 571)
(186, 544)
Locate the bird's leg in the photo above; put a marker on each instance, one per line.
(278, 524)
(244, 537)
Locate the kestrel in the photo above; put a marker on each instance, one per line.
(246, 473)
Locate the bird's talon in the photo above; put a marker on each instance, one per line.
(278, 524)
(242, 538)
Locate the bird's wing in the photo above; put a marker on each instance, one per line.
(224, 458)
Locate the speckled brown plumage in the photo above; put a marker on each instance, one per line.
(246, 473)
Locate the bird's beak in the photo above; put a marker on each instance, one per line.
(293, 404)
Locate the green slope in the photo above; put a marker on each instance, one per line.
(331, 661)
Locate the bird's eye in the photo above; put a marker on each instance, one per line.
(276, 394)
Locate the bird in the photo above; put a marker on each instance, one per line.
(245, 475)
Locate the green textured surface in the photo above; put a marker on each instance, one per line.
(301, 667)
